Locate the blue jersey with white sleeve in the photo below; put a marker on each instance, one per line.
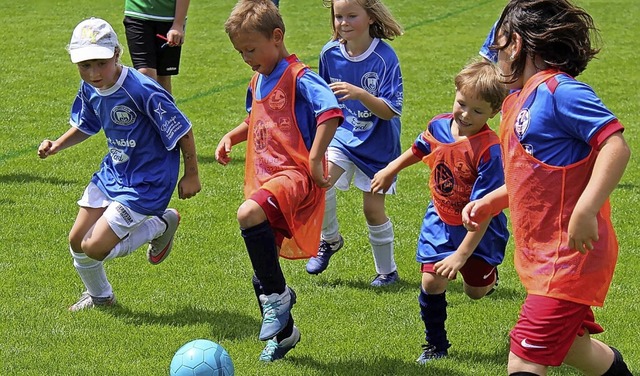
(142, 126)
(370, 142)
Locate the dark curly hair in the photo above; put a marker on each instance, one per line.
(557, 31)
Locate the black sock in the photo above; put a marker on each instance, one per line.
(433, 310)
(618, 367)
(263, 252)
(287, 331)
(257, 289)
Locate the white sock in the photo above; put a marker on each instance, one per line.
(144, 233)
(92, 275)
(381, 239)
(330, 228)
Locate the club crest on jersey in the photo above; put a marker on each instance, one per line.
(277, 99)
(444, 179)
(123, 115)
(260, 136)
(369, 82)
(522, 123)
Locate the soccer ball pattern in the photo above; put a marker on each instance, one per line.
(201, 357)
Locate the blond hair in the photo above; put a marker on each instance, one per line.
(248, 16)
(384, 25)
(482, 79)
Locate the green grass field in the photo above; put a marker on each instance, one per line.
(203, 290)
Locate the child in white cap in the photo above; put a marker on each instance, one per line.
(125, 204)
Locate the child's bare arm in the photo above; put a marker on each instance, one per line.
(189, 185)
(71, 137)
(383, 179)
(324, 134)
(610, 164)
(477, 211)
(233, 137)
(452, 264)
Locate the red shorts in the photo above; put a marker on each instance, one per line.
(547, 328)
(271, 208)
(476, 272)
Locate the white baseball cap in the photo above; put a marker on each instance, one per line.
(92, 39)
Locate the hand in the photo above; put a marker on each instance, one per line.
(582, 232)
(223, 150)
(46, 148)
(450, 266)
(382, 180)
(475, 213)
(344, 91)
(317, 173)
(175, 37)
(188, 186)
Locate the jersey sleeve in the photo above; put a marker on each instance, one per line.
(490, 173)
(82, 115)
(421, 148)
(580, 110)
(169, 121)
(317, 93)
(485, 51)
(391, 87)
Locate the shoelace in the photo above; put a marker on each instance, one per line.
(325, 247)
(430, 351)
(270, 309)
(268, 351)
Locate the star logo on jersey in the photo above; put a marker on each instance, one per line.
(522, 123)
(160, 111)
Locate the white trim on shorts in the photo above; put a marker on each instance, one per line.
(352, 173)
(120, 218)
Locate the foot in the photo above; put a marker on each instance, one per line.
(429, 353)
(160, 247)
(276, 309)
(385, 279)
(318, 264)
(87, 301)
(277, 350)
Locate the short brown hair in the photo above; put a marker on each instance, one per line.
(261, 16)
(482, 79)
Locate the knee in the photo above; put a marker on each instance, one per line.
(75, 242)
(475, 293)
(250, 214)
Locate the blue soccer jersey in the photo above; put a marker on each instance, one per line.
(313, 97)
(370, 142)
(142, 126)
(563, 120)
(437, 239)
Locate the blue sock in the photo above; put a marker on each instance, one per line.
(433, 310)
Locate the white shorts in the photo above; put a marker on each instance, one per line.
(120, 218)
(351, 172)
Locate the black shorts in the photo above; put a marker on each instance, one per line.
(146, 49)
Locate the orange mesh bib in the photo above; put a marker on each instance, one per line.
(542, 199)
(277, 160)
(454, 170)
